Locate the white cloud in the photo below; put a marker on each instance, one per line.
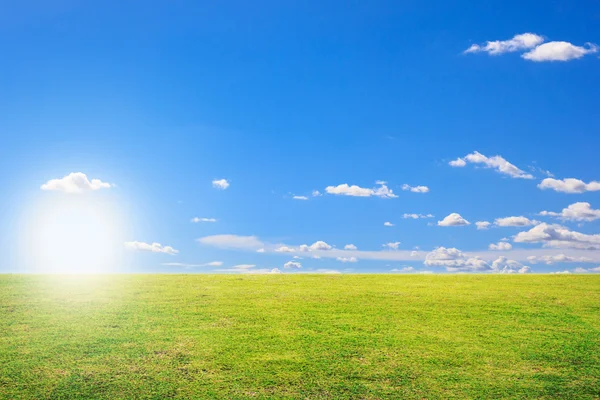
(558, 258)
(350, 247)
(558, 236)
(284, 249)
(454, 260)
(453, 219)
(220, 184)
(347, 259)
(319, 245)
(232, 242)
(354, 190)
(184, 265)
(498, 163)
(559, 51)
(316, 193)
(260, 250)
(392, 245)
(154, 247)
(515, 221)
(500, 246)
(275, 271)
(596, 269)
(504, 265)
(580, 211)
(458, 163)
(417, 216)
(524, 270)
(300, 198)
(560, 272)
(243, 266)
(386, 223)
(196, 220)
(405, 269)
(415, 189)
(75, 182)
(414, 253)
(482, 225)
(292, 264)
(519, 42)
(569, 185)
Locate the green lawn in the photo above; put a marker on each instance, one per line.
(299, 336)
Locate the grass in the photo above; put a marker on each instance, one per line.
(299, 337)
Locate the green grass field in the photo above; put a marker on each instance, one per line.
(299, 337)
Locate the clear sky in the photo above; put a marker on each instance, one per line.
(193, 136)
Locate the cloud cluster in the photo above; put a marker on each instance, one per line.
(580, 211)
(481, 225)
(417, 216)
(453, 219)
(500, 246)
(569, 185)
(292, 265)
(454, 260)
(536, 49)
(391, 245)
(515, 221)
(553, 235)
(74, 183)
(154, 247)
(497, 163)
(415, 189)
(357, 191)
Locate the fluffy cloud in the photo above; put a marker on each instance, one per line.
(232, 242)
(284, 249)
(482, 225)
(415, 189)
(519, 42)
(524, 270)
(580, 211)
(316, 193)
(292, 264)
(498, 163)
(388, 224)
(275, 271)
(300, 198)
(504, 265)
(416, 216)
(559, 51)
(453, 219)
(196, 220)
(558, 236)
(75, 182)
(154, 247)
(459, 163)
(560, 272)
(392, 245)
(350, 247)
(515, 221)
(319, 245)
(405, 269)
(569, 185)
(220, 184)
(347, 259)
(596, 269)
(454, 260)
(558, 258)
(354, 190)
(500, 246)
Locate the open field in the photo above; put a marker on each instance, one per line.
(299, 336)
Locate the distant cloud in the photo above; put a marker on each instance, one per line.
(514, 221)
(284, 249)
(292, 264)
(388, 224)
(558, 236)
(453, 219)
(392, 245)
(569, 185)
(558, 258)
(350, 247)
(154, 247)
(519, 42)
(300, 198)
(197, 220)
(415, 189)
(560, 272)
(500, 246)
(75, 182)
(559, 51)
(357, 191)
(497, 163)
(417, 216)
(316, 246)
(347, 259)
(316, 193)
(184, 265)
(232, 242)
(275, 271)
(405, 269)
(481, 225)
(244, 266)
(260, 250)
(220, 184)
(580, 211)
(504, 265)
(454, 260)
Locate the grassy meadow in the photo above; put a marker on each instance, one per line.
(299, 337)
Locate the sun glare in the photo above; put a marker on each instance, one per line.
(75, 234)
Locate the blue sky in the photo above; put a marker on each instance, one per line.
(281, 100)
